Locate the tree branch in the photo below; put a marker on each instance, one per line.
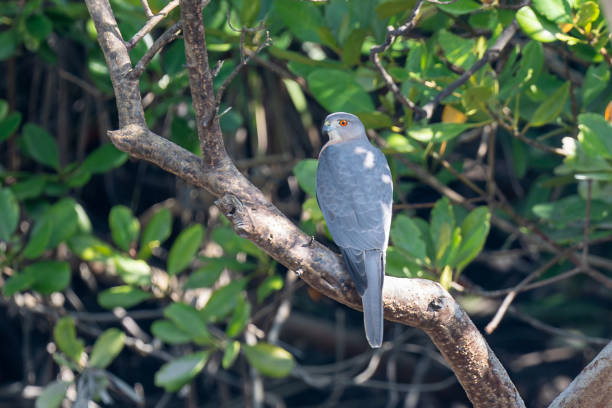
(591, 388)
(201, 85)
(415, 302)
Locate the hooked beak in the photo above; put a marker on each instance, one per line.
(326, 128)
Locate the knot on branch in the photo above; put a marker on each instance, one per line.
(237, 213)
(435, 305)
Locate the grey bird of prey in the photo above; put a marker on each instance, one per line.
(355, 194)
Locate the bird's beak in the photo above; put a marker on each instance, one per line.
(326, 128)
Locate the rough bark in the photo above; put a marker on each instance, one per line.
(414, 302)
(592, 387)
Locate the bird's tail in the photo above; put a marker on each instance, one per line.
(372, 297)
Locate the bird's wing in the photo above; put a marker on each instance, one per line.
(355, 194)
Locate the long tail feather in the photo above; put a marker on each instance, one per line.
(372, 298)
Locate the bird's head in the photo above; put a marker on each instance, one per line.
(342, 126)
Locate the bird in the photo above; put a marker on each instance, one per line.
(354, 189)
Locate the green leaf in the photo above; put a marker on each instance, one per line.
(132, 271)
(49, 276)
(587, 13)
(397, 143)
(39, 238)
(222, 301)
(38, 26)
(551, 107)
(338, 90)
(375, 120)
(17, 283)
(184, 248)
(30, 187)
(270, 360)
(40, 145)
(156, 231)
(4, 108)
(89, 248)
(53, 395)
(230, 354)
(64, 335)
(459, 7)
(459, 51)
(595, 81)
(570, 210)
(9, 208)
(407, 237)
(268, 286)
(169, 333)
(301, 18)
(390, 8)
(535, 26)
(176, 373)
(438, 132)
(205, 276)
(124, 226)
(65, 221)
(441, 228)
(122, 296)
(474, 230)
(107, 347)
(351, 54)
(557, 11)
(9, 124)
(305, 172)
(8, 44)
(104, 158)
(188, 320)
(595, 135)
(239, 319)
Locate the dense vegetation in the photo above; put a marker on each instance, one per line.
(122, 284)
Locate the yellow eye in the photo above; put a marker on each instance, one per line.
(343, 122)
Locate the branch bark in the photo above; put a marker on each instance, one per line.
(592, 387)
(415, 302)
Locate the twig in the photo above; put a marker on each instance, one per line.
(392, 34)
(151, 23)
(490, 55)
(534, 285)
(244, 59)
(510, 296)
(167, 37)
(147, 9)
(555, 330)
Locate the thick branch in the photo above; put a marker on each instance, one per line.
(592, 387)
(201, 85)
(415, 302)
(129, 104)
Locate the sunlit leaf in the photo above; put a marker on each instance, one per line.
(108, 346)
(176, 373)
(122, 296)
(270, 360)
(64, 335)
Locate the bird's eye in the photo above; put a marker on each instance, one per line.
(343, 122)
